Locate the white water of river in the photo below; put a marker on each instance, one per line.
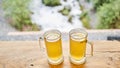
(50, 18)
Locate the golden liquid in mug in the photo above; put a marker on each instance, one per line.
(53, 46)
(77, 46)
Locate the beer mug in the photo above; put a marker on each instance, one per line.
(78, 40)
(52, 39)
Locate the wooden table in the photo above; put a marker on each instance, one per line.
(27, 54)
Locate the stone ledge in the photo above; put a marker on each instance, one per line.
(34, 35)
(41, 32)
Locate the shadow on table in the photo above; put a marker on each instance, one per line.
(77, 66)
(63, 66)
(56, 66)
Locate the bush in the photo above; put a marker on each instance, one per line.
(98, 3)
(51, 2)
(84, 17)
(109, 15)
(65, 11)
(18, 14)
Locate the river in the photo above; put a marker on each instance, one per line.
(50, 18)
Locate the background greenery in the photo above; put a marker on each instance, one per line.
(85, 18)
(18, 14)
(108, 12)
(51, 2)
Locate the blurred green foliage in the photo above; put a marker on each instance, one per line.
(65, 11)
(84, 17)
(98, 3)
(18, 14)
(70, 18)
(51, 2)
(108, 12)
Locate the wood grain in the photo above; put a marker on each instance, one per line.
(27, 54)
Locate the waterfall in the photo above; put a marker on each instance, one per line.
(51, 18)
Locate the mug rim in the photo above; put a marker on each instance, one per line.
(51, 31)
(80, 31)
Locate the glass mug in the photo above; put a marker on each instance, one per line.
(78, 40)
(52, 39)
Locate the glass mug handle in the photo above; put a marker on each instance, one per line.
(40, 45)
(91, 44)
